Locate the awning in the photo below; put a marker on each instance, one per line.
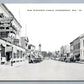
(4, 45)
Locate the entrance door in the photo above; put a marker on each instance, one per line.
(8, 56)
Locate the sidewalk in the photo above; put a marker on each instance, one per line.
(16, 64)
(80, 62)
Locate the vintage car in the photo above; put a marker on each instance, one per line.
(62, 59)
(70, 59)
(34, 57)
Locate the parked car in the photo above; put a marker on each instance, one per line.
(35, 58)
(57, 58)
(70, 59)
(62, 59)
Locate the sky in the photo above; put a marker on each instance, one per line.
(51, 29)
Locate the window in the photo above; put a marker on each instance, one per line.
(29, 47)
(1, 23)
(1, 15)
(83, 43)
(1, 27)
(7, 27)
(14, 55)
(3, 34)
(17, 53)
(26, 44)
(78, 45)
(21, 54)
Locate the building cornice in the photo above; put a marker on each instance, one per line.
(9, 12)
(75, 39)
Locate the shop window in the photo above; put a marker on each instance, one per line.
(17, 53)
(14, 55)
(21, 55)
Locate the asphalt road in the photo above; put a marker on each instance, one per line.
(46, 70)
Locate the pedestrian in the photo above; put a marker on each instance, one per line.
(29, 60)
(11, 63)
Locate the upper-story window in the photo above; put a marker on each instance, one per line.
(78, 45)
(83, 43)
(71, 48)
(1, 27)
(7, 27)
(26, 44)
(1, 15)
(75, 47)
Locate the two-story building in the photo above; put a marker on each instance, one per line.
(77, 48)
(10, 40)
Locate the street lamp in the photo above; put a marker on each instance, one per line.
(11, 35)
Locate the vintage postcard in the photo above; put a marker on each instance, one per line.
(41, 42)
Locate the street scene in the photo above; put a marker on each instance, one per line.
(20, 59)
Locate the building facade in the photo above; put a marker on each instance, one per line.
(77, 48)
(10, 40)
(82, 46)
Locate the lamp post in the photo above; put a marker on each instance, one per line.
(12, 51)
(12, 58)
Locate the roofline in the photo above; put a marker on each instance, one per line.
(82, 35)
(11, 14)
(74, 40)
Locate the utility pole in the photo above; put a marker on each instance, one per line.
(19, 15)
(25, 30)
(12, 48)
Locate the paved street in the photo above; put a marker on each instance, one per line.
(46, 70)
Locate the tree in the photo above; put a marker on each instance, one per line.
(64, 50)
(44, 53)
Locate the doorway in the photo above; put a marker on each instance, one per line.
(8, 56)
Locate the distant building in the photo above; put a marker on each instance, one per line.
(24, 42)
(77, 47)
(44, 54)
